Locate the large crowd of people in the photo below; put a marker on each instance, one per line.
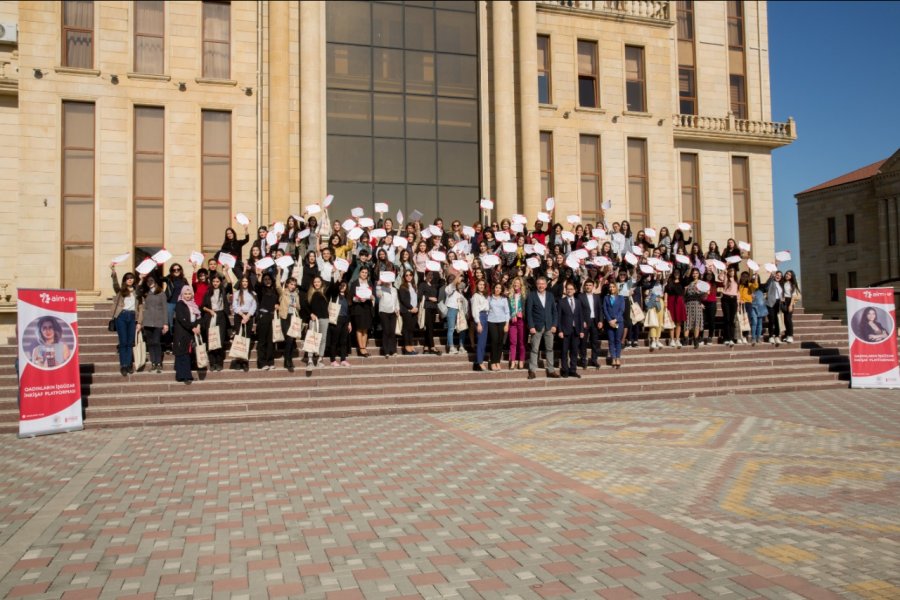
(313, 289)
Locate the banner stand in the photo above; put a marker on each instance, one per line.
(48, 366)
(872, 332)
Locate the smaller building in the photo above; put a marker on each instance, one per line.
(850, 234)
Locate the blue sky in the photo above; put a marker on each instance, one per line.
(835, 68)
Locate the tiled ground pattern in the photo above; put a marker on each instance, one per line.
(779, 478)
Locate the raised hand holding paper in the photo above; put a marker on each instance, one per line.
(313, 209)
(242, 219)
(271, 238)
(573, 219)
(744, 246)
(366, 222)
(120, 258)
(162, 256)
(265, 263)
(543, 217)
(341, 264)
(227, 260)
(357, 212)
(146, 266)
(328, 200)
(487, 204)
(196, 258)
(550, 203)
(783, 256)
(381, 207)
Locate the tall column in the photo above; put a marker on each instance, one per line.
(279, 111)
(504, 109)
(312, 90)
(529, 135)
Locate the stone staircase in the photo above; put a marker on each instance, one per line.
(426, 383)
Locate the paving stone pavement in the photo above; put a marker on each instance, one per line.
(720, 498)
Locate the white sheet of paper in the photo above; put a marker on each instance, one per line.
(650, 232)
(313, 209)
(341, 264)
(433, 265)
(468, 231)
(684, 226)
(265, 263)
(278, 227)
(460, 265)
(435, 230)
(618, 238)
(355, 233)
(703, 286)
(502, 236)
(637, 250)
(377, 234)
(328, 200)
(357, 212)
(462, 247)
(591, 244)
(517, 218)
(400, 242)
(630, 258)
(663, 267)
(646, 269)
(509, 247)
(387, 277)
(438, 256)
(120, 258)
(303, 234)
(783, 256)
(196, 258)
(366, 222)
(598, 232)
(486, 204)
(539, 248)
(581, 253)
(416, 215)
(573, 219)
(607, 204)
(718, 264)
(271, 238)
(550, 203)
(284, 262)
(363, 293)
(348, 224)
(490, 260)
(242, 219)
(146, 266)
(381, 207)
(400, 217)
(529, 248)
(543, 217)
(568, 236)
(770, 267)
(227, 260)
(753, 265)
(683, 259)
(517, 227)
(572, 262)
(534, 262)
(733, 260)
(162, 256)
(602, 261)
(744, 246)
(426, 234)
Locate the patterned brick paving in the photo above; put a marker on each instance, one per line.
(648, 500)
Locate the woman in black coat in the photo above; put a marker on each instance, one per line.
(428, 290)
(235, 247)
(186, 326)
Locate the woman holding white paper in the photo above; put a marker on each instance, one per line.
(125, 310)
(729, 306)
(362, 304)
(388, 312)
(151, 319)
(428, 291)
(235, 247)
(480, 306)
(791, 293)
(267, 297)
(693, 297)
(498, 323)
(452, 300)
(408, 297)
(315, 307)
(214, 306)
(339, 327)
(288, 309)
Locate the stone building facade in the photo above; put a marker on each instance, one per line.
(131, 126)
(850, 235)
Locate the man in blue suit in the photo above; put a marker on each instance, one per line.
(591, 306)
(541, 321)
(571, 331)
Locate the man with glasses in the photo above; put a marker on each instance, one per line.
(541, 318)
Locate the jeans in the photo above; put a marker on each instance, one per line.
(615, 341)
(125, 325)
(547, 337)
(517, 340)
(756, 321)
(451, 326)
(481, 344)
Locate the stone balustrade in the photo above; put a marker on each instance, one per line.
(764, 132)
(645, 9)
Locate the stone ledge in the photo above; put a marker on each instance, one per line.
(77, 71)
(591, 110)
(633, 113)
(149, 77)
(210, 81)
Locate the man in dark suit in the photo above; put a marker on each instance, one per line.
(571, 331)
(541, 320)
(590, 310)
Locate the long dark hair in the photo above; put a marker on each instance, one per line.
(126, 290)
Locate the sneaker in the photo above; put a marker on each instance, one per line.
(777, 342)
(335, 363)
(740, 340)
(273, 367)
(461, 350)
(344, 363)
(789, 339)
(772, 339)
(678, 343)
(452, 350)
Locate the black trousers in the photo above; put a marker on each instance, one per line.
(591, 340)
(569, 360)
(388, 333)
(729, 309)
(709, 318)
(788, 321)
(409, 327)
(265, 348)
(430, 316)
(153, 337)
(495, 339)
(774, 329)
(290, 344)
(183, 367)
(338, 339)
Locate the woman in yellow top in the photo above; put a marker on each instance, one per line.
(746, 286)
(338, 248)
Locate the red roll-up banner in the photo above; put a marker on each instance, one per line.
(49, 375)
(872, 328)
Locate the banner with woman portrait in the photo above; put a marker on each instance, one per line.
(49, 376)
(872, 327)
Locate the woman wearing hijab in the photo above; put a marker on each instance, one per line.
(186, 325)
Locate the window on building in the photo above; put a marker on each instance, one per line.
(738, 95)
(78, 33)
(832, 232)
(149, 180)
(851, 228)
(690, 190)
(78, 195)
(737, 74)
(216, 39)
(589, 165)
(543, 60)
(687, 82)
(635, 90)
(740, 184)
(149, 36)
(735, 23)
(546, 164)
(833, 286)
(588, 93)
(215, 187)
(851, 279)
(638, 184)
